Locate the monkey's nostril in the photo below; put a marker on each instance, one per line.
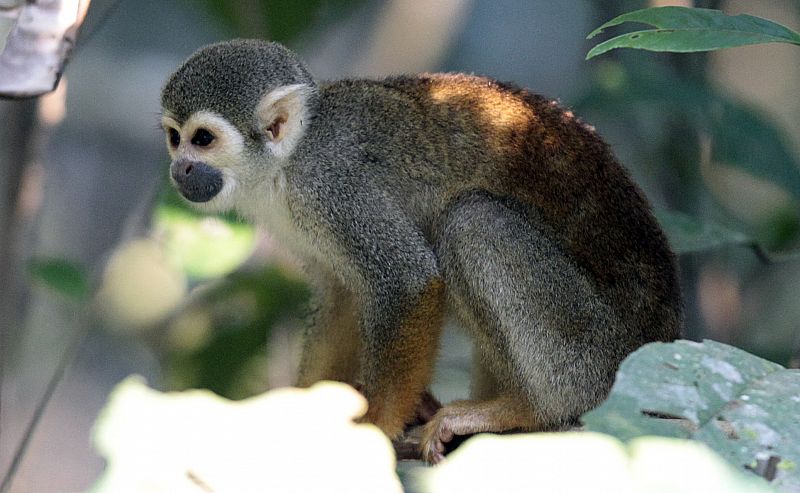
(188, 169)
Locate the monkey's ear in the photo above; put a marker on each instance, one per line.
(282, 115)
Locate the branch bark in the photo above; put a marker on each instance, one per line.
(39, 45)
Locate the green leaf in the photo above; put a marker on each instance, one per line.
(690, 235)
(585, 462)
(744, 407)
(683, 29)
(62, 276)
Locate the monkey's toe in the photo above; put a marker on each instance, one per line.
(440, 432)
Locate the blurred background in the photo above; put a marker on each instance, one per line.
(104, 272)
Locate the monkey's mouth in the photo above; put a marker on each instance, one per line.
(195, 180)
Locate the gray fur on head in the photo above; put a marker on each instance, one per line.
(230, 78)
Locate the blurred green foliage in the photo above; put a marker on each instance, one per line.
(66, 278)
(277, 20)
(635, 89)
(230, 323)
(203, 247)
(742, 136)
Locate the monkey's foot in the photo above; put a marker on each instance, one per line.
(445, 425)
(467, 418)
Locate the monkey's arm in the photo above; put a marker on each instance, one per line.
(332, 341)
(380, 254)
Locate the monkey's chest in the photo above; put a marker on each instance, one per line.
(269, 208)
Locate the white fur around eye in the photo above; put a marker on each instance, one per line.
(227, 149)
(289, 103)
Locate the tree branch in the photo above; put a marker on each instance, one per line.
(39, 45)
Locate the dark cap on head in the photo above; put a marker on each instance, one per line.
(230, 78)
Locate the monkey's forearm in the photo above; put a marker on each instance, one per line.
(331, 346)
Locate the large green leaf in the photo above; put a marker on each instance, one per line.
(745, 408)
(683, 29)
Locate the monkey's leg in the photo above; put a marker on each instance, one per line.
(546, 339)
(332, 340)
(398, 365)
(484, 385)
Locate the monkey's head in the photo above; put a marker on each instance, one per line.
(232, 113)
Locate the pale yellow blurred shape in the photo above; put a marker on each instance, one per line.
(286, 440)
(669, 465)
(191, 330)
(719, 296)
(252, 377)
(52, 106)
(582, 462)
(412, 36)
(671, 3)
(140, 287)
(539, 463)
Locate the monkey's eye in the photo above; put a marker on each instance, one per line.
(202, 137)
(174, 137)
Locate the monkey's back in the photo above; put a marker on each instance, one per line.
(436, 136)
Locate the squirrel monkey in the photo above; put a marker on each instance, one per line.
(415, 197)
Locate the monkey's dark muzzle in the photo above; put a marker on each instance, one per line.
(195, 180)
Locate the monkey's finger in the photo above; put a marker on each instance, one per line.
(445, 434)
